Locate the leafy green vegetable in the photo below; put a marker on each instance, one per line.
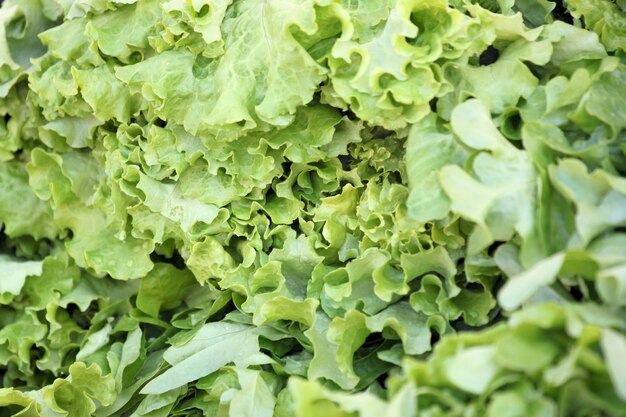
(410, 208)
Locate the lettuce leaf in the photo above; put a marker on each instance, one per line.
(297, 208)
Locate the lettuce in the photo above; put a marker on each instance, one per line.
(285, 208)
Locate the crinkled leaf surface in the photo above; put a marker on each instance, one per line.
(354, 208)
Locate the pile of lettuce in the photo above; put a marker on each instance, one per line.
(342, 208)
